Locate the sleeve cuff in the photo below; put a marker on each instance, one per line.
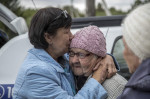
(96, 88)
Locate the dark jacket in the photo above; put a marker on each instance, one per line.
(138, 87)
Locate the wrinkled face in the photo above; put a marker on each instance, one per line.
(60, 43)
(82, 63)
(131, 59)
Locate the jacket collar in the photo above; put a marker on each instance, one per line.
(141, 77)
(44, 56)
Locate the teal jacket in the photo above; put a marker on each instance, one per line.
(41, 77)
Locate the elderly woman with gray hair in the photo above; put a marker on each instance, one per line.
(136, 40)
(87, 47)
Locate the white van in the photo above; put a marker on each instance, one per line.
(13, 52)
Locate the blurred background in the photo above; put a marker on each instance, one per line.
(76, 8)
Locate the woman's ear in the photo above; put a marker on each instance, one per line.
(48, 38)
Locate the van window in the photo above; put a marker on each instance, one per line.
(117, 52)
(5, 34)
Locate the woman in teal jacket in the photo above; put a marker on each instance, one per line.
(45, 73)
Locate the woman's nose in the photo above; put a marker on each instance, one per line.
(75, 59)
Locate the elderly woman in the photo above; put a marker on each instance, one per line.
(136, 40)
(88, 46)
(45, 72)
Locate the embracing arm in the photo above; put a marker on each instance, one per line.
(42, 83)
(110, 62)
(115, 61)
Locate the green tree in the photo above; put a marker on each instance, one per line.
(117, 12)
(100, 11)
(137, 3)
(27, 14)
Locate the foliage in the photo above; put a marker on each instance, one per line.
(137, 3)
(27, 14)
(116, 12)
(100, 11)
